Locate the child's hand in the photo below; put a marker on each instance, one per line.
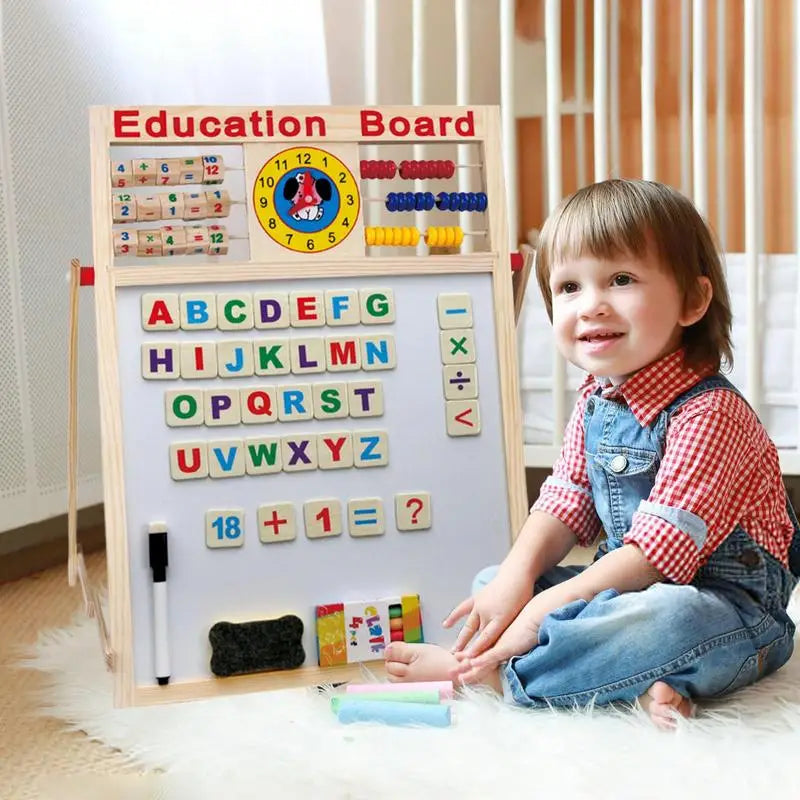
(521, 636)
(490, 611)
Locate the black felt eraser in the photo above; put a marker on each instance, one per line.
(258, 646)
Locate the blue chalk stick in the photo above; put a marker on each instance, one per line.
(393, 713)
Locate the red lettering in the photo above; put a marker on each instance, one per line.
(126, 119)
(335, 447)
(343, 352)
(156, 126)
(307, 308)
(399, 126)
(259, 403)
(465, 126)
(194, 466)
(160, 313)
(206, 128)
(199, 361)
(371, 123)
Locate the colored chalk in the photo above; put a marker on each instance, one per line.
(395, 713)
(445, 688)
(431, 697)
(396, 623)
(396, 611)
(396, 636)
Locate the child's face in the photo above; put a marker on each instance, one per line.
(614, 317)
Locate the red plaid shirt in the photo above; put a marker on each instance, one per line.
(719, 463)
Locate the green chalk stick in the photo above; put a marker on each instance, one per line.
(395, 697)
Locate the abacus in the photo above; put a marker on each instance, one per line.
(308, 382)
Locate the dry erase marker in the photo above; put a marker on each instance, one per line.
(158, 563)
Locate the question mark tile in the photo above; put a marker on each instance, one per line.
(412, 511)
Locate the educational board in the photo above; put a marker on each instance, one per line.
(309, 397)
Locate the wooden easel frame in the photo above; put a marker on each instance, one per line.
(343, 126)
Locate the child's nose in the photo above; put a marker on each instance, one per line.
(593, 303)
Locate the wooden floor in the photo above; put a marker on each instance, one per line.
(39, 758)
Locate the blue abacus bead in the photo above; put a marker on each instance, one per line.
(410, 201)
(429, 201)
(482, 201)
(472, 201)
(463, 201)
(391, 201)
(453, 202)
(443, 201)
(419, 201)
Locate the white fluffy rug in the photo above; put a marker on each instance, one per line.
(289, 745)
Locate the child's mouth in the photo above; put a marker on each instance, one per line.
(597, 342)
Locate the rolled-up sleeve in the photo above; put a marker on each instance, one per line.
(699, 491)
(566, 494)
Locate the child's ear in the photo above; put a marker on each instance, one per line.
(696, 302)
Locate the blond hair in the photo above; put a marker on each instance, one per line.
(618, 217)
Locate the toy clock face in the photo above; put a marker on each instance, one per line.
(306, 200)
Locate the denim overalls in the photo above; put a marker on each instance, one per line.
(724, 630)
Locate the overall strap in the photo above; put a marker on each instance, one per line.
(719, 382)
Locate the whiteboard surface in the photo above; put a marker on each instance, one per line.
(466, 477)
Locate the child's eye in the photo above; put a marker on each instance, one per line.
(622, 279)
(568, 287)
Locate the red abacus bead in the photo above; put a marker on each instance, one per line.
(364, 167)
(450, 169)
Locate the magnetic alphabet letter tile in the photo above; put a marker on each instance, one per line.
(330, 400)
(221, 407)
(198, 360)
(225, 527)
(262, 455)
(198, 311)
(365, 398)
(188, 460)
(335, 450)
(160, 312)
(272, 356)
(271, 310)
(234, 311)
(235, 358)
(160, 362)
(226, 458)
(370, 448)
(276, 522)
(184, 407)
(377, 306)
(378, 352)
(342, 307)
(307, 354)
(299, 452)
(307, 309)
(258, 405)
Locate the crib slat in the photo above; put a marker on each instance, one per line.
(699, 111)
(580, 90)
(751, 222)
(418, 96)
(648, 90)
(552, 36)
(508, 116)
(685, 100)
(462, 98)
(600, 99)
(796, 139)
(722, 118)
(613, 88)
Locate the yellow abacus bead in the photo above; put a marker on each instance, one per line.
(431, 237)
(459, 236)
(380, 235)
(414, 236)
